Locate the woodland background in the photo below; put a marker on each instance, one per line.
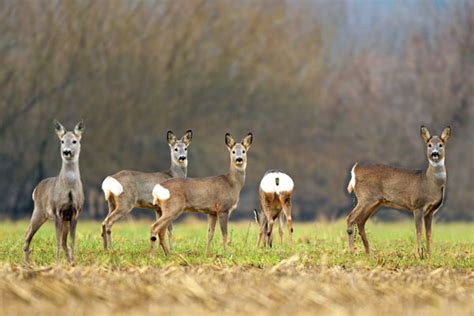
(321, 84)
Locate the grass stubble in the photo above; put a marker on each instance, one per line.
(315, 275)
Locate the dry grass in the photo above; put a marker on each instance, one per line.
(313, 275)
(288, 287)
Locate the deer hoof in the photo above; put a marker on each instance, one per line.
(350, 231)
(153, 238)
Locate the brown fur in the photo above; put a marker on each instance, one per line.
(419, 191)
(216, 196)
(137, 187)
(272, 204)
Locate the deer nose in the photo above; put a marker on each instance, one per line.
(66, 152)
(239, 159)
(182, 158)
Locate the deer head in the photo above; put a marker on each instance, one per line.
(238, 151)
(435, 145)
(179, 147)
(70, 141)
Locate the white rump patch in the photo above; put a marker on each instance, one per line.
(111, 185)
(160, 193)
(352, 183)
(276, 182)
(33, 194)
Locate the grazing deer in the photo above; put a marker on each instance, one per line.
(276, 189)
(421, 192)
(216, 196)
(128, 189)
(60, 198)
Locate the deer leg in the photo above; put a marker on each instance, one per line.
(260, 236)
(59, 229)
(428, 219)
(280, 227)
(72, 228)
(64, 233)
(363, 217)
(36, 222)
(270, 231)
(170, 228)
(159, 229)
(212, 220)
(419, 223)
(112, 207)
(361, 228)
(286, 204)
(223, 220)
(170, 236)
(351, 218)
(110, 220)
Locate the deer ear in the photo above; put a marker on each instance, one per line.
(445, 134)
(171, 138)
(59, 128)
(188, 136)
(79, 129)
(229, 141)
(247, 141)
(425, 134)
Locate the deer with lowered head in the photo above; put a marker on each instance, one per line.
(60, 198)
(275, 192)
(128, 189)
(216, 196)
(419, 191)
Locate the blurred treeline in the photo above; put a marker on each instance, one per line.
(318, 92)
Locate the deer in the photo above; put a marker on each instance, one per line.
(216, 196)
(419, 191)
(60, 198)
(275, 192)
(128, 189)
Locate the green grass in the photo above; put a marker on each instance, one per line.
(316, 244)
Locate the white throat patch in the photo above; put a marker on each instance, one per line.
(437, 164)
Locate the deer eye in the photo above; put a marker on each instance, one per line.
(74, 141)
(233, 151)
(185, 149)
(62, 142)
(429, 145)
(176, 149)
(440, 145)
(243, 151)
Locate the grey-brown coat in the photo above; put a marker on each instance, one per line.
(60, 198)
(419, 191)
(216, 196)
(128, 189)
(275, 193)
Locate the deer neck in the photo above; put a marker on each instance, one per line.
(70, 174)
(436, 172)
(178, 170)
(236, 176)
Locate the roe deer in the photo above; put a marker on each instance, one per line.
(216, 196)
(419, 191)
(128, 189)
(60, 198)
(276, 189)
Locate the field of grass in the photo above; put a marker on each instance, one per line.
(313, 274)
